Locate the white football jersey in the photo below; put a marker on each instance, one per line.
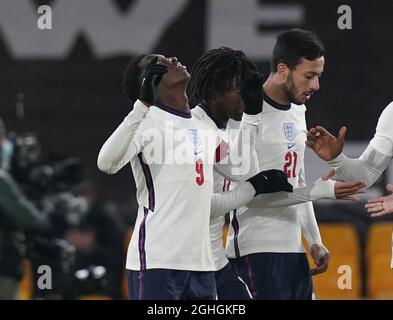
(280, 145)
(220, 185)
(172, 227)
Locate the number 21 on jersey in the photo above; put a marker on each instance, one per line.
(290, 164)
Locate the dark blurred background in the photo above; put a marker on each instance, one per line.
(67, 80)
(72, 93)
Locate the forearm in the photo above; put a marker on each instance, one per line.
(224, 202)
(119, 149)
(309, 224)
(367, 168)
(316, 191)
(242, 161)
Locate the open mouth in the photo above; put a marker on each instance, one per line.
(307, 95)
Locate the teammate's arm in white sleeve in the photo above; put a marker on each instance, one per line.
(242, 161)
(318, 190)
(368, 168)
(124, 143)
(223, 202)
(375, 159)
(243, 195)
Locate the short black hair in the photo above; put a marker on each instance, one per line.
(214, 72)
(294, 44)
(132, 75)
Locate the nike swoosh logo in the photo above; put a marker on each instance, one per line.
(291, 145)
(196, 153)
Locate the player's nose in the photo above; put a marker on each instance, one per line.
(314, 86)
(173, 60)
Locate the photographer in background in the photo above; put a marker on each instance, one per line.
(56, 185)
(42, 182)
(18, 216)
(43, 201)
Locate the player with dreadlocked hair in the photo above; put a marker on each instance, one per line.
(224, 84)
(218, 72)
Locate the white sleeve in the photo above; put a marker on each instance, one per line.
(242, 161)
(124, 143)
(318, 190)
(383, 138)
(307, 218)
(224, 202)
(368, 168)
(375, 159)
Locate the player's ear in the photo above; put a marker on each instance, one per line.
(282, 71)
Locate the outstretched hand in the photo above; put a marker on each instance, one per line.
(382, 205)
(324, 144)
(346, 190)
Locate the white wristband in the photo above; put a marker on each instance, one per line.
(323, 190)
(337, 161)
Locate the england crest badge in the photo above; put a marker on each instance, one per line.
(290, 131)
(194, 137)
(196, 141)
